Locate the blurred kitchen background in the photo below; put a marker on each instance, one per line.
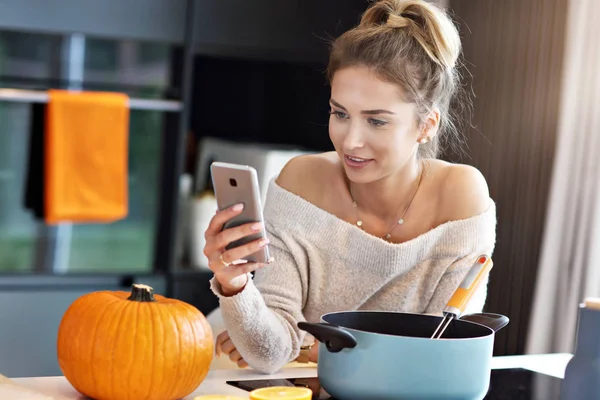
(242, 81)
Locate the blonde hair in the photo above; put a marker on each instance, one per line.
(411, 43)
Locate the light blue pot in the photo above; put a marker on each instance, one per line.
(370, 355)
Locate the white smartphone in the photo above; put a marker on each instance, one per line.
(234, 184)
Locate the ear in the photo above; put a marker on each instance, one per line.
(430, 125)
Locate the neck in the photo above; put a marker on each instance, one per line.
(388, 197)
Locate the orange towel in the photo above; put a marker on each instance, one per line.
(86, 144)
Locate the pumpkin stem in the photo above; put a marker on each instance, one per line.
(141, 293)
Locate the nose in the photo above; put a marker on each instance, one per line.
(354, 138)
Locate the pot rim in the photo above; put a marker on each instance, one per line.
(491, 332)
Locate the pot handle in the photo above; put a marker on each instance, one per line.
(492, 321)
(334, 337)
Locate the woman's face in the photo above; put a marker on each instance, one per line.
(373, 130)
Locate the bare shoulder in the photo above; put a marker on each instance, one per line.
(464, 191)
(306, 175)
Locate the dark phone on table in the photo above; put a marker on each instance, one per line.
(311, 383)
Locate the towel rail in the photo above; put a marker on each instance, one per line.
(40, 96)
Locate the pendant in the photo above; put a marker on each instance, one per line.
(388, 236)
(359, 222)
(400, 221)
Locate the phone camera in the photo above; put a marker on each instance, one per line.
(233, 182)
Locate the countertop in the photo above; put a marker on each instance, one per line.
(215, 383)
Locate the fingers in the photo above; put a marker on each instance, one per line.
(235, 356)
(227, 347)
(216, 223)
(240, 252)
(221, 338)
(238, 270)
(218, 239)
(224, 237)
(230, 273)
(224, 345)
(227, 236)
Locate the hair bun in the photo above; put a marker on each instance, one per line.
(427, 23)
(397, 21)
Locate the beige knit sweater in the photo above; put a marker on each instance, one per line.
(324, 264)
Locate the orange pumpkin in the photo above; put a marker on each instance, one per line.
(138, 345)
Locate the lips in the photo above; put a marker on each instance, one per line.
(357, 162)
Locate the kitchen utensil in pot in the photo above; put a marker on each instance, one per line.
(463, 294)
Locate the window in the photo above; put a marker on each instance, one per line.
(138, 67)
(17, 229)
(28, 56)
(39, 61)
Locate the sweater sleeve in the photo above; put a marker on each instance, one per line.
(262, 319)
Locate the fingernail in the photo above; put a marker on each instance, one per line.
(263, 242)
(271, 259)
(257, 226)
(238, 207)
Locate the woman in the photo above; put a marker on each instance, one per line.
(377, 224)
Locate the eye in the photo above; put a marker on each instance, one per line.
(377, 122)
(339, 114)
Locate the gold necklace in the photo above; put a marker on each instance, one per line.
(400, 221)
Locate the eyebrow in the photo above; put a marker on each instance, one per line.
(367, 112)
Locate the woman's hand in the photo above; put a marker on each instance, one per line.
(225, 345)
(232, 277)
